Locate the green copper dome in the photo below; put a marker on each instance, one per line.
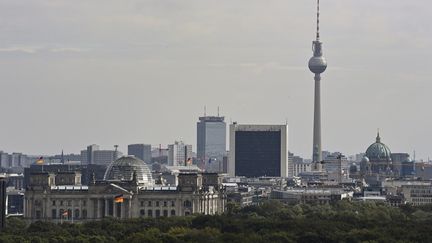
(378, 151)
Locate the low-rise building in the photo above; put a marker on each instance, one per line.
(311, 195)
(417, 194)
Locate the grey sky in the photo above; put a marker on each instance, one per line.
(110, 72)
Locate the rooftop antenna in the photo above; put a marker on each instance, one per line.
(218, 111)
(205, 111)
(115, 151)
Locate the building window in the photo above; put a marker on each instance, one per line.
(142, 203)
(142, 212)
(165, 204)
(53, 202)
(54, 213)
(84, 213)
(61, 203)
(77, 214)
(38, 214)
(157, 213)
(61, 211)
(172, 212)
(165, 213)
(69, 213)
(157, 203)
(172, 204)
(187, 203)
(149, 203)
(84, 203)
(69, 203)
(150, 213)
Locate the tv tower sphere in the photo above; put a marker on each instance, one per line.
(317, 64)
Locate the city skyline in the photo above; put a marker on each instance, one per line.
(71, 76)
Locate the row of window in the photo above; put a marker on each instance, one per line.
(421, 191)
(186, 203)
(67, 203)
(421, 195)
(157, 213)
(143, 203)
(157, 203)
(67, 214)
(422, 200)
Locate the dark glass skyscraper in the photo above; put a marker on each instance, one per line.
(258, 150)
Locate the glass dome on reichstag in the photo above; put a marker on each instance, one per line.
(123, 169)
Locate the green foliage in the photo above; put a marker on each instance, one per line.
(271, 222)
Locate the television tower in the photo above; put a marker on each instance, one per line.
(317, 65)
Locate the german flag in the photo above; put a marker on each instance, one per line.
(40, 161)
(118, 199)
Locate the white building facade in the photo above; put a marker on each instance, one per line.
(179, 153)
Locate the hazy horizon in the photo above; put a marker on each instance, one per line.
(74, 73)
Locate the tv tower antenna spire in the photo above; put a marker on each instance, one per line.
(318, 21)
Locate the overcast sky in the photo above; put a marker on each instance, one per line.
(73, 73)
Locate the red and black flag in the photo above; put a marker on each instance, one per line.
(118, 199)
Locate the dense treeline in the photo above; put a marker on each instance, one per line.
(271, 222)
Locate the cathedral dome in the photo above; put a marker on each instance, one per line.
(378, 151)
(123, 169)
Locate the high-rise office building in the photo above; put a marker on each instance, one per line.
(337, 167)
(2, 202)
(397, 160)
(90, 153)
(105, 157)
(141, 151)
(258, 150)
(211, 142)
(83, 156)
(93, 155)
(4, 160)
(179, 153)
(18, 160)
